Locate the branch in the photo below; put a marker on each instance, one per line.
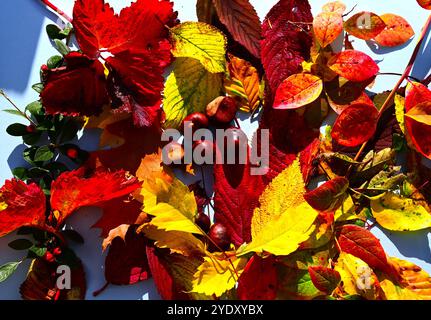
(57, 10)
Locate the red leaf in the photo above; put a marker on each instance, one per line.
(285, 45)
(259, 280)
(117, 212)
(138, 26)
(242, 21)
(73, 190)
(236, 196)
(426, 4)
(135, 148)
(306, 160)
(126, 262)
(77, 89)
(324, 279)
(364, 245)
(416, 93)
(355, 125)
(353, 65)
(420, 132)
(21, 205)
(329, 196)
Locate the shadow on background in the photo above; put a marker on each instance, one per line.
(422, 65)
(19, 41)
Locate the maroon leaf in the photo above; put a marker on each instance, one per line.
(329, 196)
(258, 280)
(324, 279)
(286, 40)
(363, 244)
(126, 262)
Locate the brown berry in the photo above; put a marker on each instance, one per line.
(203, 221)
(222, 109)
(195, 121)
(219, 235)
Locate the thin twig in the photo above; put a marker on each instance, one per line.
(53, 7)
(2, 93)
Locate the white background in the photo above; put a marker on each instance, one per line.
(25, 47)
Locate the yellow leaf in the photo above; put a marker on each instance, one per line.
(346, 211)
(119, 231)
(244, 83)
(284, 219)
(399, 111)
(395, 213)
(414, 283)
(200, 41)
(358, 278)
(178, 242)
(216, 274)
(189, 88)
(420, 113)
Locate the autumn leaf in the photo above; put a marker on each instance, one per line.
(426, 4)
(259, 279)
(364, 245)
(413, 283)
(416, 93)
(399, 111)
(395, 213)
(397, 32)
(358, 278)
(242, 21)
(73, 190)
(126, 262)
(324, 279)
(355, 125)
(21, 205)
(79, 88)
(353, 65)
(327, 27)
(243, 82)
(365, 25)
(284, 219)
(335, 6)
(329, 196)
(298, 90)
(202, 42)
(346, 211)
(218, 274)
(189, 88)
(339, 108)
(285, 45)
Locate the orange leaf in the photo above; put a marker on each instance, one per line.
(426, 4)
(397, 32)
(416, 93)
(365, 25)
(327, 27)
(20, 205)
(355, 125)
(353, 65)
(417, 121)
(335, 6)
(298, 90)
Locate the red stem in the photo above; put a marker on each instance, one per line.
(57, 10)
(404, 76)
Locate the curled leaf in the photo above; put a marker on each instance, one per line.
(329, 196)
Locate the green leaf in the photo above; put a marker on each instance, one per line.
(35, 108)
(43, 154)
(54, 62)
(15, 112)
(28, 155)
(36, 252)
(54, 32)
(69, 130)
(17, 130)
(31, 139)
(61, 47)
(38, 87)
(20, 173)
(37, 172)
(20, 244)
(8, 269)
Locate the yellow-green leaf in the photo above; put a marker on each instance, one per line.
(399, 111)
(189, 88)
(284, 220)
(216, 275)
(395, 213)
(200, 41)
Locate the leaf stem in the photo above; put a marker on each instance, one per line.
(53, 7)
(403, 77)
(2, 93)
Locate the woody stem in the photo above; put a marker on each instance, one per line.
(57, 10)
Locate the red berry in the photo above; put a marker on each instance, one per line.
(222, 109)
(219, 235)
(49, 257)
(196, 121)
(56, 251)
(203, 221)
(44, 68)
(30, 128)
(72, 153)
